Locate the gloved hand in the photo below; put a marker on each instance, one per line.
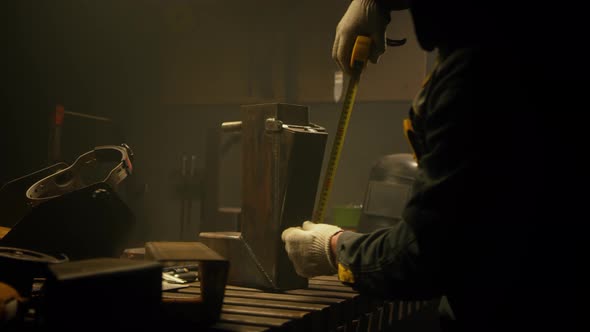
(309, 249)
(363, 17)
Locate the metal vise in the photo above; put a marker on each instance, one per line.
(282, 154)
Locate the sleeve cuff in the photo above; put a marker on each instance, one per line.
(345, 274)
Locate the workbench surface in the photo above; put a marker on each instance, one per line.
(325, 305)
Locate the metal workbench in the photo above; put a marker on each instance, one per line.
(325, 305)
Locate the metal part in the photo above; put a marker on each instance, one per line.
(19, 267)
(388, 190)
(212, 275)
(273, 125)
(233, 126)
(86, 223)
(89, 292)
(282, 155)
(14, 205)
(88, 116)
(70, 179)
(173, 279)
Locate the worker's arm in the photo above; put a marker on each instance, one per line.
(407, 259)
(401, 261)
(414, 258)
(386, 263)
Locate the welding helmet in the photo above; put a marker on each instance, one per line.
(388, 190)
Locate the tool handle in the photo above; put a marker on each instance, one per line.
(360, 51)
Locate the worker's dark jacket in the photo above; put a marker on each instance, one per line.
(488, 222)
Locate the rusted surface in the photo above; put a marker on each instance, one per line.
(282, 154)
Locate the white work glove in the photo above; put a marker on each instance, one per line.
(309, 249)
(363, 17)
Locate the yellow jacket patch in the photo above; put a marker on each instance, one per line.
(344, 274)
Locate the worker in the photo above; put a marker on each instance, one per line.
(488, 222)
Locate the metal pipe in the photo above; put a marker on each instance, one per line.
(232, 126)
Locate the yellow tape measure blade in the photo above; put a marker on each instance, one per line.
(359, 56)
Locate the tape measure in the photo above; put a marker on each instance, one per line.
(358, 59)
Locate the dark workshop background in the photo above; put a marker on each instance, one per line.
(166, 71)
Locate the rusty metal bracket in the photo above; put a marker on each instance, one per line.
(213, 269)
